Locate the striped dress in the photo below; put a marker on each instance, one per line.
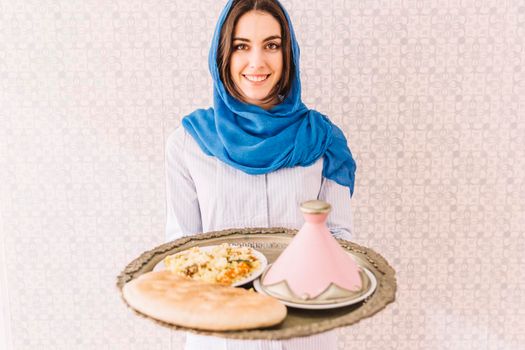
(204, 194)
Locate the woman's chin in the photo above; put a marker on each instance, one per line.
(255, 99)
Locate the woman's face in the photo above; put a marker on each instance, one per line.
(256, 62)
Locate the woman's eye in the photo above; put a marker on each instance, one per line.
(240, 47)
(273, 46)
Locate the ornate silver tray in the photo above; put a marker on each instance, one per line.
(271, 242)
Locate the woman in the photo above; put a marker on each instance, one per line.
(259, 152)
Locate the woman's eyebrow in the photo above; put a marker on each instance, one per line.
(272, 37)
(267, 39)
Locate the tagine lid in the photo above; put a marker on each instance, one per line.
(314, 266)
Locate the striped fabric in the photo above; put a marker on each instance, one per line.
(324, 341)
(204, 194)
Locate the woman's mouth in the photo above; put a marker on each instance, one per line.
(256, 78)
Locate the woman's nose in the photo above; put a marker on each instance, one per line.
(256, 58)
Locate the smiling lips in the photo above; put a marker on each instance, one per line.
(256, 78)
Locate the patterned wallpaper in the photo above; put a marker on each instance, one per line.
(431, 95)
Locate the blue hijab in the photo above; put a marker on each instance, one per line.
(258, 141)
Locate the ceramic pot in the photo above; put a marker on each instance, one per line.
(314, 265)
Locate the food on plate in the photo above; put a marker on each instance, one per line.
(201, 305)
(224, 264)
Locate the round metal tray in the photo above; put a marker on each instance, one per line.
(271, 242)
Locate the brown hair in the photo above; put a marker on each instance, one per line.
(239, 8)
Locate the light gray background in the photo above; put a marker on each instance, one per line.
(431, 95)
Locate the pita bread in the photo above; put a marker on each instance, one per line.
(181, 301)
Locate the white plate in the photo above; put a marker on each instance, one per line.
(373, 285)
(256, 273)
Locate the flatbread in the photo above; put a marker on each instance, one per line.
(181, 301)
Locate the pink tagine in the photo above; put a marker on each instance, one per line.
(314, 261)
